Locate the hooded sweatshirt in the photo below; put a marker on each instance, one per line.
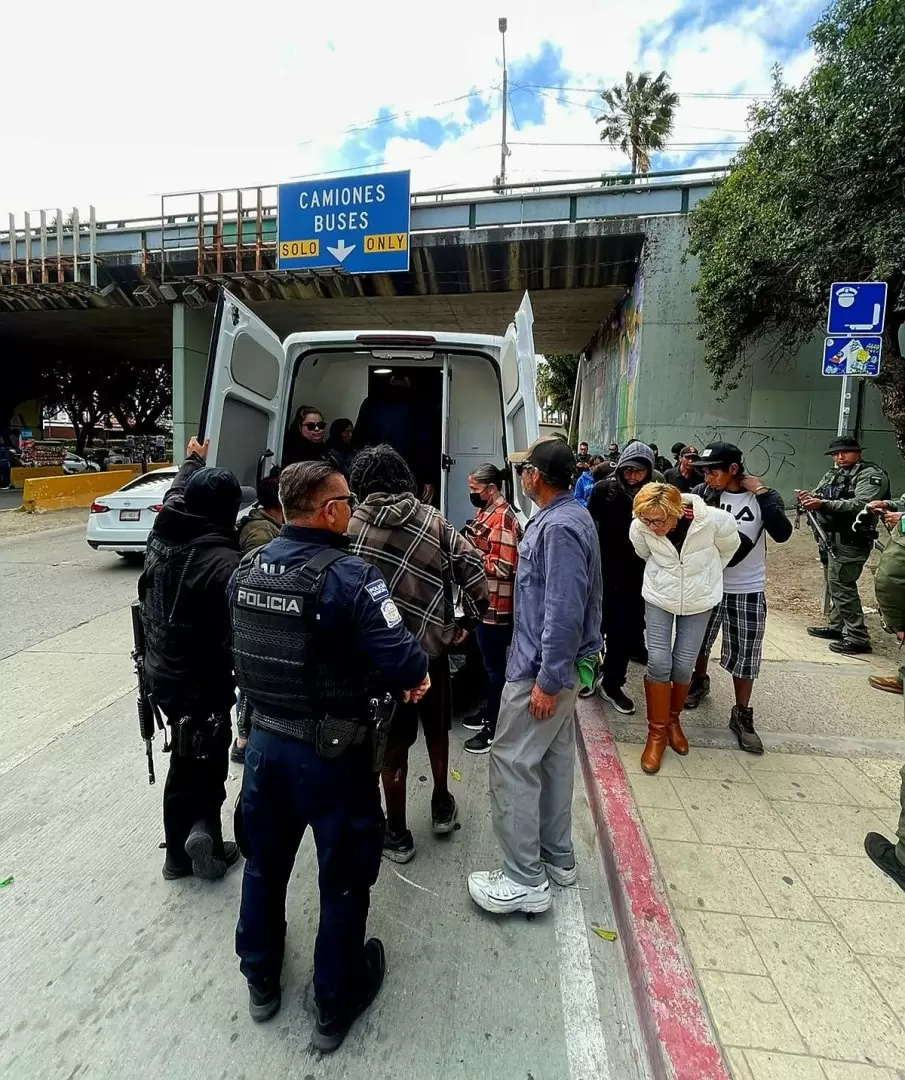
(424, 559)
(610, 505)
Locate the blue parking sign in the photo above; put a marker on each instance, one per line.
(858, 356)
(856, 307)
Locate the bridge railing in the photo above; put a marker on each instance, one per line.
(234, 229)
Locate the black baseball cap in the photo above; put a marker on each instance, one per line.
(553, 457)
(719, 455)
(844, 442)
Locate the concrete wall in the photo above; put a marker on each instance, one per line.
(191, 340)
(645, 376)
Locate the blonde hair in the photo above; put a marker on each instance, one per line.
(656, 496)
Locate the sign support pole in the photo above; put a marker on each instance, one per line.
(844, 405)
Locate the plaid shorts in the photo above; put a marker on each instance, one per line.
(743, 620)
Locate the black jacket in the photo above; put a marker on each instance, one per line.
(773, 514)
(610, 505)
(185, 610)
(684, 483)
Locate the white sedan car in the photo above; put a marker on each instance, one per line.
(121, 521)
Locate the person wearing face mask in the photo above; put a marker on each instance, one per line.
(685, 545)
(496, 533)
(556, 633)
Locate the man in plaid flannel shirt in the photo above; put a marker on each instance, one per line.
(424, 560)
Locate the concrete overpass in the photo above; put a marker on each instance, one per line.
(108, 287)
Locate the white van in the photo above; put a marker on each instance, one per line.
(479, 391)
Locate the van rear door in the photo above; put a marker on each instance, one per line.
(243, 407)
(517, 366)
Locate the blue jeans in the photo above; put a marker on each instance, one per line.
(494, 640)
(668, 660)
(285, 788)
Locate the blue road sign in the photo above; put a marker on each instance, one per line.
(360, 223)
(856, 307)
(852, 355)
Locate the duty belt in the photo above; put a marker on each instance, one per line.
(330, 735)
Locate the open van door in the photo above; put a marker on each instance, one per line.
(517, 370)
(243, 406)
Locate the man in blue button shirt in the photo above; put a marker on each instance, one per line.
(558, 593)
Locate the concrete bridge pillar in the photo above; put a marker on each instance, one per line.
(191, 339)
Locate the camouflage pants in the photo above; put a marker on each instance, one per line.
(842, 570)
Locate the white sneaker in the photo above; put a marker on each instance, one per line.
(560, 875)
(494, 892)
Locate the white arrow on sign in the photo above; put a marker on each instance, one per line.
(341, 251)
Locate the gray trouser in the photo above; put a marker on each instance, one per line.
(668, 660)
(532, 772)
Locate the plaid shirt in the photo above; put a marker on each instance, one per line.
(496, 533)
(423, 559)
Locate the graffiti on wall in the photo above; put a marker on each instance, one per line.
(615, 371)
(765, 455)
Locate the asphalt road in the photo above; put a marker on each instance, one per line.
(111, 972)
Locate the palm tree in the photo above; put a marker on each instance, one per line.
(640, 117)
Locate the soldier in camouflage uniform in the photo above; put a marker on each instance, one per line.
(889, 584)
(838, 499)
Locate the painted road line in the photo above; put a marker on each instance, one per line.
(680, 1042)
(585, 1044)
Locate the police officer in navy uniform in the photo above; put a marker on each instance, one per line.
(318, 642)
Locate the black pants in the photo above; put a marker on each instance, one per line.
(494, 640)
(195, 791)
(286, 787)
(622, 626)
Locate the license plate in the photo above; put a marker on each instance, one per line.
(130, 515)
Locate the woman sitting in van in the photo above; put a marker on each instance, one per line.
(340, 443)
(305, 438)
(496, 533)
(686, 545)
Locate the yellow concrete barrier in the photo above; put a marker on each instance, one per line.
(66, 492)
(19, 474)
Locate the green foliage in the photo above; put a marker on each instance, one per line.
(817, 195)
(556, 383)
(640, 117)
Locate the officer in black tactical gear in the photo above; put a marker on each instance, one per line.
(835, 503)
(193, 550)
(318, 642)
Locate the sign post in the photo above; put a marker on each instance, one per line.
(357, 223)
(854, 345)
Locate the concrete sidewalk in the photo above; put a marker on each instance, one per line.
(797, 939)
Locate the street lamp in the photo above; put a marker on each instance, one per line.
(504, 149)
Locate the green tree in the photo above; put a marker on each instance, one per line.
(556, 383)
(815, 196)
(640, 118)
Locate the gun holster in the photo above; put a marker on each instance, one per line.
(196, 737)
(334, 736)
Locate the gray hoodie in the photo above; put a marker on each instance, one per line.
(636, 453)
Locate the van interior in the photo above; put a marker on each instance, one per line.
(454, 401)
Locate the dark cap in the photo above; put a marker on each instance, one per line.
(214, 494)
(719, 455)
(844, 442)
(553, 457)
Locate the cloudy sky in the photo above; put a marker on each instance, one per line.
(119, 103)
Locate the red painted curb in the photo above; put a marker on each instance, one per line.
(677, 1032)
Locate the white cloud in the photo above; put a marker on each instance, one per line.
(119, 102)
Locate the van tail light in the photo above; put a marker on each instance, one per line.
(98, 508)
(156, 508)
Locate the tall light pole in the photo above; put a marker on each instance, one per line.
(504, 149)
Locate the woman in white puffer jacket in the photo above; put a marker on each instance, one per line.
(685, 545)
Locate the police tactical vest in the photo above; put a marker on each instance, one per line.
(283, 663)
(171, 624)
(840, 483)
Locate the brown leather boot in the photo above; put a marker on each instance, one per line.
(657, 694)
(674, 732)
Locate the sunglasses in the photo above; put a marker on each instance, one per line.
(320, 425)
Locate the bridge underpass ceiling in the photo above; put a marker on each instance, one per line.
(469, 281)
